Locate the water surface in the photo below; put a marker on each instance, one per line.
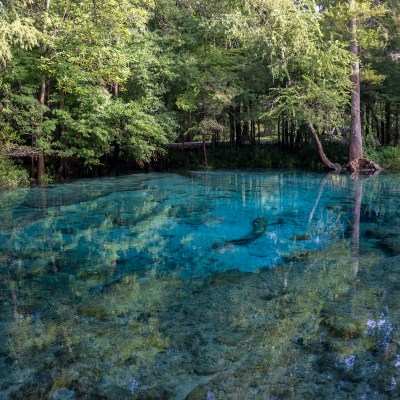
(215, 285)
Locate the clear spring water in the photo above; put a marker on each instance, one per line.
(215, 285)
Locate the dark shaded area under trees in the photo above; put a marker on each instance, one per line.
(102, 87)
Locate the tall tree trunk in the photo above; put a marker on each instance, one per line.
(205, 151)
(42, 96)
(355, 145)
(246, 123)
(64, 164)
(232, 128)
(378, 129)
(292, 132)
(388, 123)
(253, 131)
(367, 118)
(321, 152)
(238, 125)
(287, 134)
(189, 137)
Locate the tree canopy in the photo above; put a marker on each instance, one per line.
(90, 80)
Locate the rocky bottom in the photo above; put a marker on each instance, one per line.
(322, 326)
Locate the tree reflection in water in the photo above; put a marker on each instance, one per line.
(79, 318)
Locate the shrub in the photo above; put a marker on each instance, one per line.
(11, 175)
(387, 157)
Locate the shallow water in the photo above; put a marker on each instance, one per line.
(215, 285)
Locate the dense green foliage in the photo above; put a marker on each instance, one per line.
(91, 83)
(11, 176)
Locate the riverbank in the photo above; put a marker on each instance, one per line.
(178, 158)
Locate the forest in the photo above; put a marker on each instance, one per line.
(87, 85)
(254, 253)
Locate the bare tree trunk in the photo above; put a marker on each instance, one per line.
(324, 158)
(42, 97)
(205, 150)
(321, 152)
(40, 171)
(388, 123)
(232, 128)
(367, 118)
(355, 145)
(238, 125)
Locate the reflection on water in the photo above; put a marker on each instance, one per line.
(222, 285)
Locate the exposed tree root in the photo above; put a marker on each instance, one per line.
(363, 166)
(358, 166)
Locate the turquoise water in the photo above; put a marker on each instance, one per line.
(214, 285)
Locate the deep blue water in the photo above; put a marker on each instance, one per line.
(214, 285)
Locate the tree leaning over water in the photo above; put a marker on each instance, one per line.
(317, 86)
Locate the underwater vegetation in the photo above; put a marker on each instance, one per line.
(117, 292)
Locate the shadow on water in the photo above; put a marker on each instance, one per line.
(91, 310)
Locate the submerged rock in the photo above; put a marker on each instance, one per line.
(259, 228)
(298, 238)
(63, 394)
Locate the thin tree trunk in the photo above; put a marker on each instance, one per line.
(238, 125)
(246, 123)
(321, 152)
(64, 168)
(205, 150)
(253, 131)
(190, 122)
(232, 128)
(367, 118)
(355, 145)
(286, 127)
(378, 130)
(292, 131)
(42, 96)
(388, 123)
